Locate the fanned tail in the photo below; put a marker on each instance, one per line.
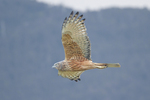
(105, 65)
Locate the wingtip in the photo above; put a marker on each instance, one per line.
(65, 18)
(71, 13)
(81, 16)
(77, 13)
(83, 19)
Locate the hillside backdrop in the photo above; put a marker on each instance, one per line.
(30, 43)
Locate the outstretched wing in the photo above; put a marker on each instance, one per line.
(72, 75)
(74, 38)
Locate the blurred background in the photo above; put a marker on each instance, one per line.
(30, 43)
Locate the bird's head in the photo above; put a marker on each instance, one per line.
(60, 65)
(56, 65)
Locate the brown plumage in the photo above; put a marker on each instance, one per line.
(77, 50)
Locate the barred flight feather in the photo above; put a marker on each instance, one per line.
(76, 29)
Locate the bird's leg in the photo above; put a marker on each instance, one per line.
(103, 67)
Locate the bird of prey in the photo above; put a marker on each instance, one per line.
(77, 50)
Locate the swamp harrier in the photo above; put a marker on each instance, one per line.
(77, 50)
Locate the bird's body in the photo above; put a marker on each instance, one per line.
(77, 50)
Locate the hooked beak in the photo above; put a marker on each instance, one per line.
(53, 66)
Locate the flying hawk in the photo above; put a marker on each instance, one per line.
(77, 50)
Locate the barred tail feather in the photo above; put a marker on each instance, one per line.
(105, 65)
(113, 65)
